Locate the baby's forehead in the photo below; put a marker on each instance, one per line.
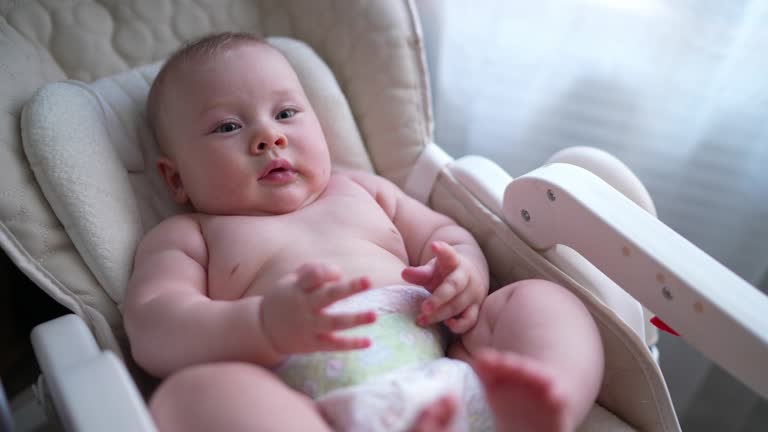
(200, 64)
(254, 50)
(195, 82)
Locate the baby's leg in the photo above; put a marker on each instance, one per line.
(231, 397)
(539, 355)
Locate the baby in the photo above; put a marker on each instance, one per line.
(287, 266)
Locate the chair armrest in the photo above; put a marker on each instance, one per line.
(91, 389)
(712, 308)
(62, 343)
(484, 178)
(487, 183)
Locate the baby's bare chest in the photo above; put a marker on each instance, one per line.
(246, 254)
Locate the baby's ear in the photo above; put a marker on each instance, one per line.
(170, 174)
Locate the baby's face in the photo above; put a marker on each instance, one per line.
(243, 135)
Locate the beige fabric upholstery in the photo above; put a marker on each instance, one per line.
(30, 233)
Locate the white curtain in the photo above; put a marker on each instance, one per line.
(677, 89)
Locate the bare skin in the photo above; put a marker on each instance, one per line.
(276, 235)
(437, 416)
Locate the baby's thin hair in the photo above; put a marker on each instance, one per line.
(202, 49)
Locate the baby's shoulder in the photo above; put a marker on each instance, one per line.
(371, 182)
(379, 188)
(184, 223)
(354, 175)
(180, 232)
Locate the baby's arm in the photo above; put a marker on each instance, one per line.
(172, 323)
(446, 258)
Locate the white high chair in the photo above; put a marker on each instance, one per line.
(81, 188)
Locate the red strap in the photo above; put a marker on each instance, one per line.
(661, 325)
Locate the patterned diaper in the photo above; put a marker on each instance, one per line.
(382, 388)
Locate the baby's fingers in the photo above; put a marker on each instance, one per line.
(465, 321)
(313, 275)
(451, 286)
(447, 257)
(334, 292)
(420, 275)
(449, 309)
(334, 342)
(334, 322)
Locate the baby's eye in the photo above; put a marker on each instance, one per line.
(285, 114)
(226, 127)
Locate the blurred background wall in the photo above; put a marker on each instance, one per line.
(676, 89)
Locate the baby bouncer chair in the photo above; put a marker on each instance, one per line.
(80, 189)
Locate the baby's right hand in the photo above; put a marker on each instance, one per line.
(293, 312)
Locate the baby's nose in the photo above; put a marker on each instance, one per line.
(265, 142)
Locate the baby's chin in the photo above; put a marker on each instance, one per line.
(250, 211)
(278, 201)
(276, 209)
(258, 209)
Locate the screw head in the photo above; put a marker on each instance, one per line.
(526, 216)
(550, 195)
(666, 293)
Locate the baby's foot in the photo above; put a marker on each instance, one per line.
(521, 392)
(437, 416)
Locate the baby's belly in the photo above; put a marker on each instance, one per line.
(396, 342)
(379, 266)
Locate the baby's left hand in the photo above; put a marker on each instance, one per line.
(455, 286)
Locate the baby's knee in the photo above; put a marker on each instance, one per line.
(197, 395)
(532, 290)
(526, 285)
(194, 381)
(211, 373)
(230, 396)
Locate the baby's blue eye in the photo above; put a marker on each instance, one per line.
(227, 127)
(286, 114)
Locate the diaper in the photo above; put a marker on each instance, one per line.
(390, 403)
(384, 387)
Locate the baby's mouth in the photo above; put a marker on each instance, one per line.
(278, 170)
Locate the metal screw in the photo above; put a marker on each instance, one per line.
(526, 216)
(550, 195)
(666, 293)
